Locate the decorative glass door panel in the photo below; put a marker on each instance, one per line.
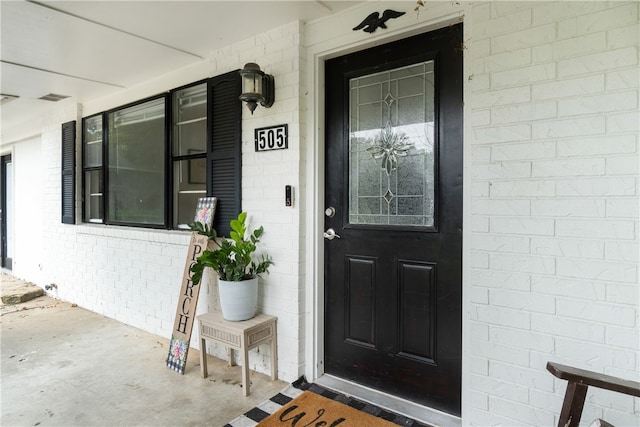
(392, 147)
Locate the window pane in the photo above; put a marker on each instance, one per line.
(93, 196)
(391, 152)
(189, 185)
(136, 169)
(92, 142)
(190, 120)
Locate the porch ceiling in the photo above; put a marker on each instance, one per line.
(91, 49)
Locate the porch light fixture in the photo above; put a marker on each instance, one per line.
(257, 87)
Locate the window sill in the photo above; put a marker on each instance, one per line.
(177, 237)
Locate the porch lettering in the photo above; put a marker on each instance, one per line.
(197, 250)
(185, 305)
(182, 324)
(188, 288)
(188, 292)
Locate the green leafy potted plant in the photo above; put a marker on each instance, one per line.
(237, 266)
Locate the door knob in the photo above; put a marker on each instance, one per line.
(330, 234)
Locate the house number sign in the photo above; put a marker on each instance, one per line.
(272, 138)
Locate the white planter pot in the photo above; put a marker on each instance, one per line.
(238, 300)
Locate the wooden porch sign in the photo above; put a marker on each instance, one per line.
(188, 300)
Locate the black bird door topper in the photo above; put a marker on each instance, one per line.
(374, 21)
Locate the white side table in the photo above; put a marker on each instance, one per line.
(242, 336)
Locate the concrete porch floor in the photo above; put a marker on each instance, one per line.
(65, 366)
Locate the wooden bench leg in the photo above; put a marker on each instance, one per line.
(274, 359)
(245, 372)
(203, 358)
(572, 405)
(230, 357)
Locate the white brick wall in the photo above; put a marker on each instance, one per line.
(554, 94)
(28, 207)
(264, 177)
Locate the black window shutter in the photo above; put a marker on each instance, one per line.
(69, 172)
(224, 154)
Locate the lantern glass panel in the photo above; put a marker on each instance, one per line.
(252, 83)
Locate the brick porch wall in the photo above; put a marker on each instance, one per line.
(553, 94)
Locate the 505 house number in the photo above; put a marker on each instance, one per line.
(272, 138)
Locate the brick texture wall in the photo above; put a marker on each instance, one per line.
(553, 145)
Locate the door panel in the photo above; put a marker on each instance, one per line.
(360, 319)
(394, 177)
(417, 320)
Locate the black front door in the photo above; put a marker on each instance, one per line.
(393, 240)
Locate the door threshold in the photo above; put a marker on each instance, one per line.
(387, 401)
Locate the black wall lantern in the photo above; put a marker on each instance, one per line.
(257, 87)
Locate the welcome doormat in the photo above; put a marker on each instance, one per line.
(287, 399)
(312, 409)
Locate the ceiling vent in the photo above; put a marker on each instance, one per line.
(4, 98)
(53, 97)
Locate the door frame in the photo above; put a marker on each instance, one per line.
(313, 333)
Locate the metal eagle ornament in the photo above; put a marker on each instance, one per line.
(374, 21)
